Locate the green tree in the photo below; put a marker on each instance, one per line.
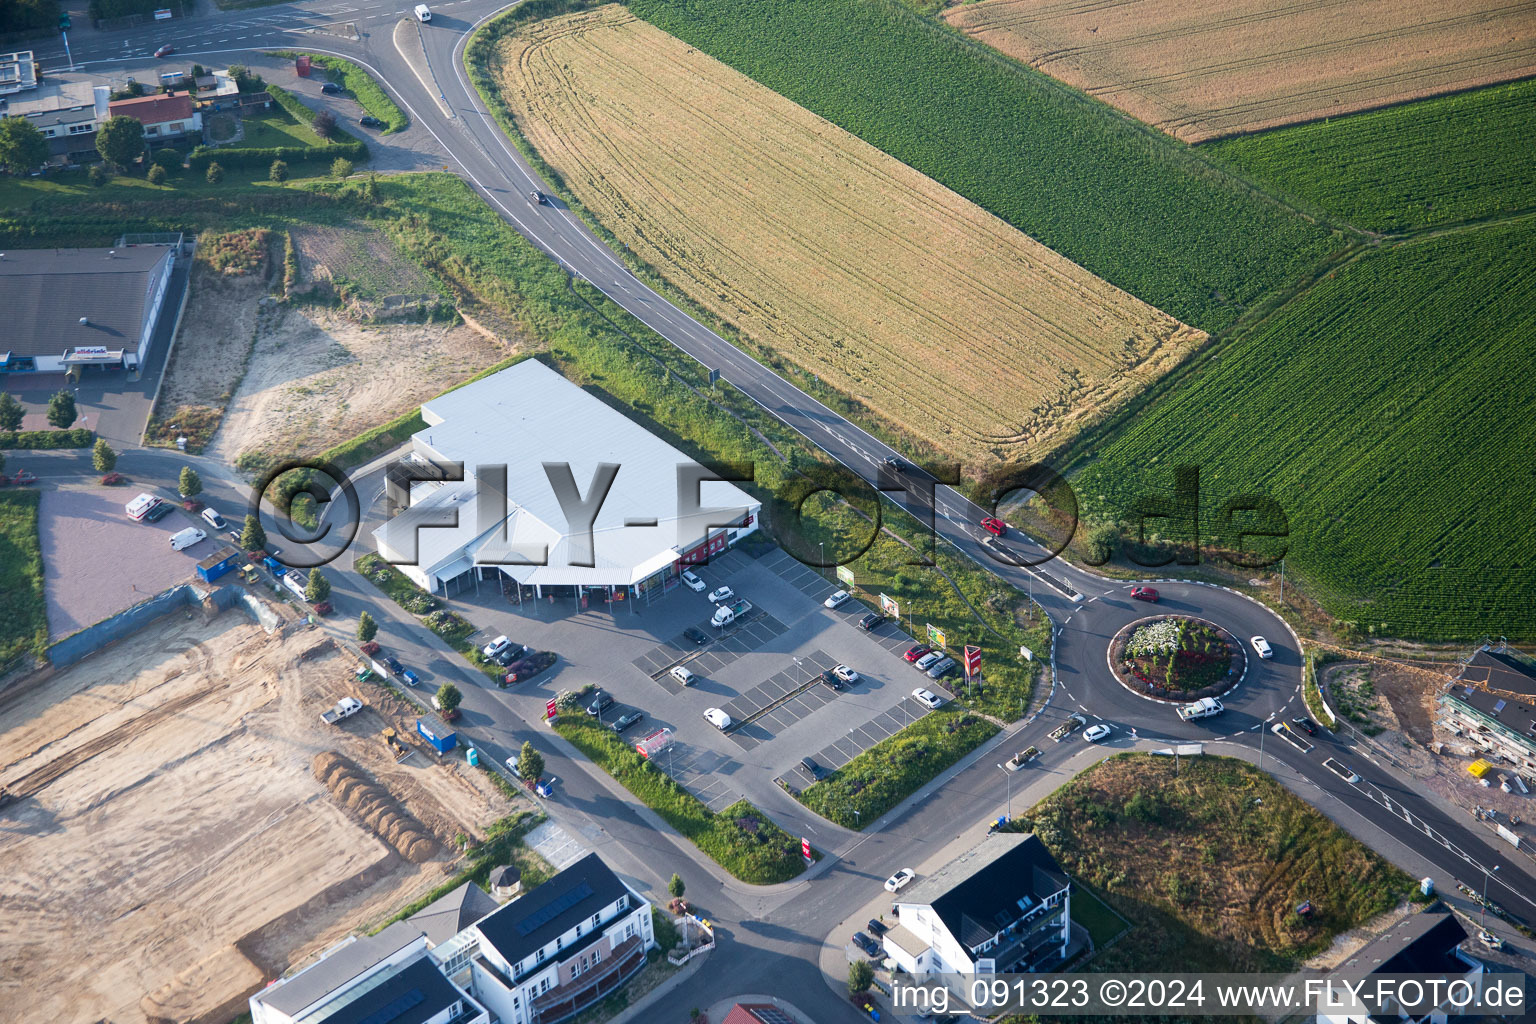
(341, 167)
(169, 159)
(98, 175)
(448, 698)
(860, 977)
(371, 190)
(318, 588)
(675, 887)
(23, 147)
(215, 173)
(61, 409)
(11, 412)
(120, 140)
(324, 124)
(253, 537)
(530, 763)
(278, 170)
(103, 457)
(157, 175)
(190, 485)
(367, 629)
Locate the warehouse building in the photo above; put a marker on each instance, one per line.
(71, 309)
(559, 446)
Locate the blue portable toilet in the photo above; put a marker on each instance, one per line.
(472, 756)
(434, 731)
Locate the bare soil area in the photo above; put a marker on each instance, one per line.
(824, 251)
(317, 378)
(361, 267)
(1198, 71)
(172, 848)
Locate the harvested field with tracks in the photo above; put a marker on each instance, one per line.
(186, 827)
(823, 250)
(1198, 72)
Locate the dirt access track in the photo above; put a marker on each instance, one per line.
(1200, 71)
(187, 828)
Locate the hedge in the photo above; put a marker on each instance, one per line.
(202, 156)
(77, 437)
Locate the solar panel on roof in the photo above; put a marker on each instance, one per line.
(1498, 706)
(394, 1008)
(547, 913)
(771, 1015)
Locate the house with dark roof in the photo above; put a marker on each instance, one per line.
(561, 947)
(388, 978)
(1501, 725)
(1003, 908)
(1426, 943)
(67, 308)
(164, 115)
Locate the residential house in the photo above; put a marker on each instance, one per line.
(561, 947)
(1003, 908)
(1427, 943)
(1503, 728)
(66, 112)
(165, 117)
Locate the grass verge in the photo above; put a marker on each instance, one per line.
(369, 95)
(452, 628)
(740, 838)
(1210, 864)
(887, 773)
(22, 608)
(1310, 692)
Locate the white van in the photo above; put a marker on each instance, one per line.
(682, 675)
(186, 538)
(422, 14)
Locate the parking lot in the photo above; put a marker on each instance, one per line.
(98, 562)
(764, 671)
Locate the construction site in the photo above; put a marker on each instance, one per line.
(179, 826)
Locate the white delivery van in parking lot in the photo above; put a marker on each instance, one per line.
(422, 14)
(186, 538)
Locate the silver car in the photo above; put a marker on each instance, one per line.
(928, 660)
(940, 667)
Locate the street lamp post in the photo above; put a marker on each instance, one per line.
(1482, 917)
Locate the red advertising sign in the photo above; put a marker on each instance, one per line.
(805, 849)
(549, 708)
(972, 661)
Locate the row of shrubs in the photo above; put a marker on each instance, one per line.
(78, 437)
(202, 156)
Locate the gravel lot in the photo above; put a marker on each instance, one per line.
(97, 561)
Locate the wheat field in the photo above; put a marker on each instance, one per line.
(940, 318)
(1200, 71)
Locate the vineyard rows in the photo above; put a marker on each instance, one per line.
(1128, 204)
(1437, 161)
(1388, 412)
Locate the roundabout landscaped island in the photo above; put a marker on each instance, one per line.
(1176, 658)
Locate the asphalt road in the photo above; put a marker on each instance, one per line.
(777, 936)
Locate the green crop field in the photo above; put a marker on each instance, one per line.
(1387, 411)
(1126, 202)
(1435, 162)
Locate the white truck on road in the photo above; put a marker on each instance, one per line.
(345, 708)
(726, 614)
(1205, 707)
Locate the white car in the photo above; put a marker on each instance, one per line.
(691, 578)
(1262, 646)
(846, 674)
(682, 675)
(927, 697)
(1097, 732)
(900, 880)
(512, 765)
(717, 718)
(496, 646)
(836, 599)
(721, 594)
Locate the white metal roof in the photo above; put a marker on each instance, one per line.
(526, 417)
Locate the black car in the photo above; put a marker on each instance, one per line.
(513, 653)
(331, 89)
(870, 621)
(894, 465)
(600, 703)
(867, 944)
(536, 198)
(817, 771)
(877, 926)
(830, 678)
(697, 635)
(160, 510)
(394, 666)
(529, 666)
(1306, 725)
(369, 121)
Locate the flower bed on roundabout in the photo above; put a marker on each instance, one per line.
(1177, 657)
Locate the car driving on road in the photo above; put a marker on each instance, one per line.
(536, 198)
(900, 880)
(1144, 594)
(994, 526)
(165, 51)
(1262, 647)
(1097, 732)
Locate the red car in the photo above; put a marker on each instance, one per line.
(994, 526)
(917, 652)
(1144, 594)
(165, 50)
